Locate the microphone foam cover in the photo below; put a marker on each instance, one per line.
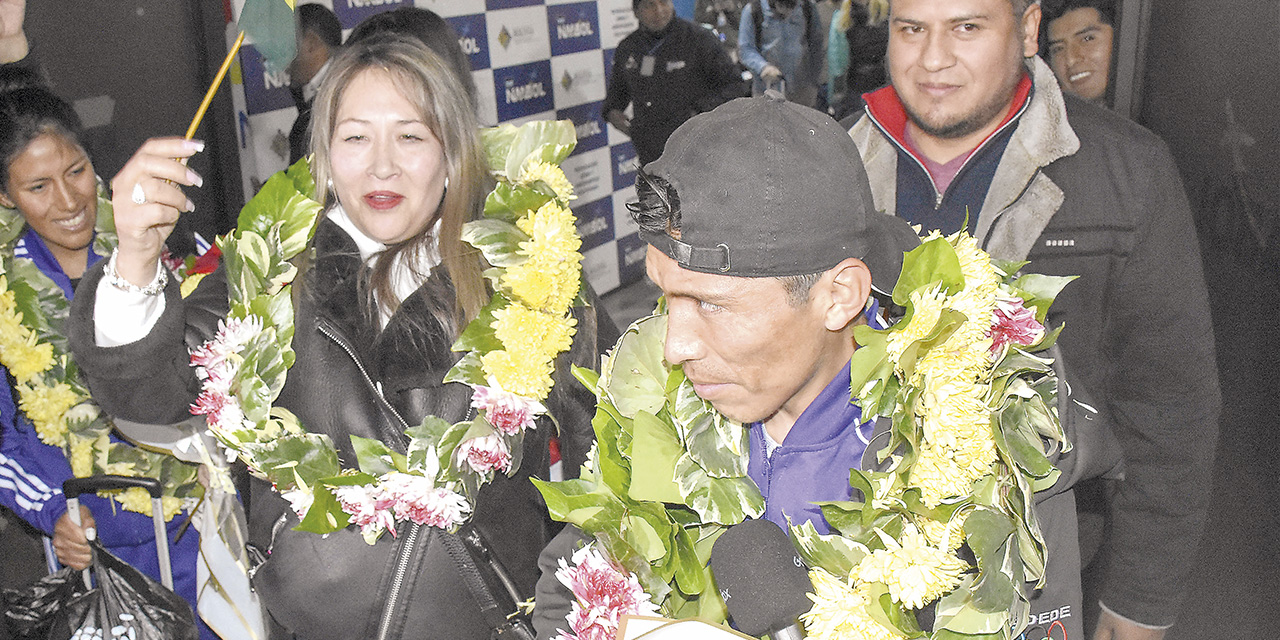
(762, 579)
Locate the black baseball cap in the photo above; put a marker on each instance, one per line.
(770, 188)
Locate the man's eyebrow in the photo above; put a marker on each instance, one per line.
(1093, 28)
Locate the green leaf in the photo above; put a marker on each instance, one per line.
(956, 613)
(428, 436)
(508, 202)
(655, 448)
(639, 357)
(545, 140)
(932, 262)
(310, 455)
(1039, 291)
(468, 371)
(479, 335)
(644, 537)
(497, 144)
(373, 457)
(499, 241)
(835, 553)
(325, 515)
(726, 501)
(691, 576)
(587, 377)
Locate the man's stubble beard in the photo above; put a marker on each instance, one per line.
(970, 122)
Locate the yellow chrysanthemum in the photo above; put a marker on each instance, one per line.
(971, 363)
(45, 407)
(25, 357)
(518, 375)
(927, 308)
(551, 231)
(550, 174)
(138, 500)
(82, 455)
(840, 611)
(522, 329)
(915, 572)
(942, 473)
(944, 535)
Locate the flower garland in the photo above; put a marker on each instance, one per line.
(529, 238)
(50, 392)
(972, 410)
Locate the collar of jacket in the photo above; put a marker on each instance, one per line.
(1018, 187)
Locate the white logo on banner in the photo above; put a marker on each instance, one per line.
(579, 29)
(517, 36)
(589, 173)
(579, 78)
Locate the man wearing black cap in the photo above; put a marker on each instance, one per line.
(668, 70)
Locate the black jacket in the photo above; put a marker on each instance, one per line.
(337, 586)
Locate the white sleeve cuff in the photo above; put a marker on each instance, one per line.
(122, 317)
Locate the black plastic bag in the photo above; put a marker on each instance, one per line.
(125, 605)
(30, 611)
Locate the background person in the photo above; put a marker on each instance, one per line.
(975, 130)
(319, 36)
(667, 71)
(783, 41)
(48, 179)
(1080, 45)
(400, 168)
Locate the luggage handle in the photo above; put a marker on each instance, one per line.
(74, 487)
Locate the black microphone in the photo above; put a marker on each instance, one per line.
(762, 579)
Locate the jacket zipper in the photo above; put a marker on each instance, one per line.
(411, 537)
(937, 200)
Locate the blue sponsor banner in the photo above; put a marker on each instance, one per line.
(263, 90)
(351, 12)
(589, 125)
(573, 27)
(473, 38)
(595, 222)
(608, 65)
(623, 164)
(510, 4)
(631, 250)
(523, 90)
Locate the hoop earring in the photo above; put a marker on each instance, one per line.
(446, 183)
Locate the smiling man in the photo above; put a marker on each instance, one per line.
(1080, 44)
(974, 132)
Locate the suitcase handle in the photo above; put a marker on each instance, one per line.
(75, 487)
(93, 484)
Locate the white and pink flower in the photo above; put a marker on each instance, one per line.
(603, 593)
(507, 412)
(1014, 324)
(485, 454)
(416, 498)
(360, 501)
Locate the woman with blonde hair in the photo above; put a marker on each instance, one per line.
(383, 291)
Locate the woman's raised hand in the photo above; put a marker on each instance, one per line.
(147, 201)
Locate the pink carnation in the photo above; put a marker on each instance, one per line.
(486, 454)
(1014, 323)
(507, 412)
(603, 593)
(359, 501)
(415, 498)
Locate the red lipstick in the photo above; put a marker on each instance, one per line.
(382, 200)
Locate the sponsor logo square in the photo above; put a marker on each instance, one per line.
(573, 27)
(588, 124)
(473, 38)
(595, 222)
(451, 8)
(523, 89)
(351, 12)
(617, 21)
(631, 251)
(589, 173)
(579, 78)
(601, 267)
(517, 36)
(623, 163)
(263, 90)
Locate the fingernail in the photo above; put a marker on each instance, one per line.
(90, 534)
(194, 178)
(197, 145)
(190, 206)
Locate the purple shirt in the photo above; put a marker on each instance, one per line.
(812, 464)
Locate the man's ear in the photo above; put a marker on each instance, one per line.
(1031, 30)
(847, 286)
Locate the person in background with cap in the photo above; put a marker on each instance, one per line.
(974, 132)
(668, 71)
